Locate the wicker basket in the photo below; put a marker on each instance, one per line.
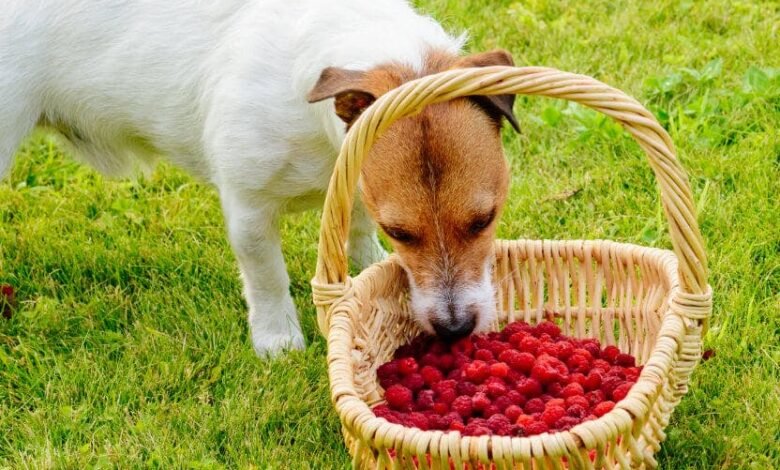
(649, 302)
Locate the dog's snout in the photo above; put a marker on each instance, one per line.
(455, 328)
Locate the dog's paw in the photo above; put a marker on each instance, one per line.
(272, 344)
(365, 251)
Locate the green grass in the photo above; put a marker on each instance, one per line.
(129, 346)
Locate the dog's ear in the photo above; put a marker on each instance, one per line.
(496, 106)
(347, 87)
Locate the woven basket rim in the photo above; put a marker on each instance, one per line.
(620, 418)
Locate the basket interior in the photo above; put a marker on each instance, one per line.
(614, 292)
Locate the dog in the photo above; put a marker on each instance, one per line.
(255, 97)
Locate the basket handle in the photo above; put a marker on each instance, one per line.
(331, 281)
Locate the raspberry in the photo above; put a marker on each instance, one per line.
(502, 402)
(548, 328)
(484, 355)
(516, 397)
(565, 349)
(387, 382)
(480, 401)
(572, 389)
(554, 389)
(595, 397)
(431, 375)
(554, 402)
(593, 380)
(610, 353)
(592, 346)
(455, 374)
(399, 397)
(514, 376)
(551, 349)
(497, 422)
(496, 389)
(416, 420)
(578, 377)
(515, 327)
(466, 388)
(490, 411)
(529, 344)
(461, 360)
(413, 382)
(475, 430)
(499, 369)
(609, 384)
(600, 364)
(534, 405)
(621, 391)
(524, 420)
(443, 385)
(477, 371)
(513, 412)
(603, 408)
(632, 373)
(566, 423)
(578, 363)
(625, 360)
(446, 362)
(440, 408)
(429, 359)
(534, 428)
(382, 410)
(497, 347)
(446, 396)
(549, 369)
(552, 414)
(530, 387)
(388, 369)
(577, 411)
(407, 366)
(517, 338)
(579, 400)
(463, 345)
(524, 362)
(457, 426)
(450, 418)
(424, 400)
(462, 406)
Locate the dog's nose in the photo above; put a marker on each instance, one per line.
(455, 329)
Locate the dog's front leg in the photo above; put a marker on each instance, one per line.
(254, 236)
(363, 246)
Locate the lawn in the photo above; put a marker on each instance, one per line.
(129, 344)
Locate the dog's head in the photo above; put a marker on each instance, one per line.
(436, 183)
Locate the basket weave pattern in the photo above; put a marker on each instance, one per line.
(651, 303)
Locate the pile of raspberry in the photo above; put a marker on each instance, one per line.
(522, 381)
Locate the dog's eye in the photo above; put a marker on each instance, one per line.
(400, 235)
(480, 223)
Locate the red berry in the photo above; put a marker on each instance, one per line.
(577, 411)
(577, 400)
(525, 420)
(416, 420)
(578, 363)
(552, 414)
(595, 397)
(462, 406)
(517, 338)
(554, 402)
(475, 430)
(548, 328)
(496, 389)
(516, 397)
(603, 408)
(413, 382)
(610, 353)
(388, 369)
(480, 401)
(529, 344)
(567, 422)
(593, 380)
(490, 411)
(565, 349)
(513, 412)
(497, 421)
(463, 345)
(477, 371)
(625, 360)
(600, 364)
(554, 389)
(446, 396)
(609, 384)
(446, 362)
(484, 355)
(534, 428)
(442, 385)
(572, 389)
(424, 400)
(441, 408)
(502, 403)
(497, 347)
(466, 388)
(534, 405)
(407, 366)
(592, 346)
(398, 397)
(578, 377)
(530, 388)
(499, 369)
(457, 426)
(632, 373)
(431, 375)
(621, 391)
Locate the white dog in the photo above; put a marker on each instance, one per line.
(222, 89)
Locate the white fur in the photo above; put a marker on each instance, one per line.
(431, 304)
(219, 88)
